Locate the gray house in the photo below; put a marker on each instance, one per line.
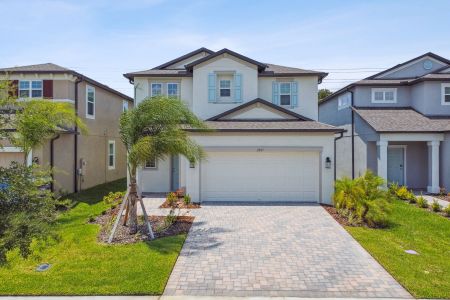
(398, 124)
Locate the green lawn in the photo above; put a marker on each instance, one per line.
(426, 275)
(81, 266)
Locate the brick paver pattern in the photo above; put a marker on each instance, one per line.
(299, 250)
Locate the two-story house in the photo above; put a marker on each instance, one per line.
(80, 161)
(267, 144)
(398, 124)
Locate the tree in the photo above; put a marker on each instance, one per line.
(323, 93)
(27, 211)
(155, 130)
(37, 121)
(7, 109)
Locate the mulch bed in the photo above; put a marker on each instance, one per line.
(106, 221)
(333, 212)
(180, 204)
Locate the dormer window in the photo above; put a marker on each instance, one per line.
(285, 93)
(225, 88)
(384, 95)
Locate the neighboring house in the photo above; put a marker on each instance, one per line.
(401, 121)
(267, 144)
(80, 161)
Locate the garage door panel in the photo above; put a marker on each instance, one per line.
(260, 176)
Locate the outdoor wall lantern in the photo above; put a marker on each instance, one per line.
(328, 162)
(192, 164)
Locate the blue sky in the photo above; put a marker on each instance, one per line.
(104, 39)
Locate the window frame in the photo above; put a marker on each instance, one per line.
(124, 105)
(443, 94)
(226, 88)
(30, 89)
(151, 88)
(151, 168)
(384, 91)
(285, 94)
(90, 116)
(178, 89)
(113, 154)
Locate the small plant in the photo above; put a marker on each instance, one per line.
(187, 199)
(436, 207)
(404, 194)
(168, 221)
(446, 211)
(412, 198)
(172, 199)
(442, 191)
(422, 202)
(113, 198)
(393, 188)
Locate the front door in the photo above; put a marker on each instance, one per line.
(396, 165)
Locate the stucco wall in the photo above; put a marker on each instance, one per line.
(363, 97)
(427, 97)
(307, 93)
(329, 113)
(201, 107)
(414, 70)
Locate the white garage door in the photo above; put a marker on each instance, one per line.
(260, 176)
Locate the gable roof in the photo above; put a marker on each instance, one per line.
(264, 70)
(373, 81)
(429, 54)
(404, 119)
(263, 102)
(56, 69)
(183, 57)
(261, 66)
(273, 126)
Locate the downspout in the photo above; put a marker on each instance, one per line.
(75, 142)
(335, 140)
(353, 136)
(52, 159)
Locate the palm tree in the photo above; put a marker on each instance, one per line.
(154, 129)
(36, 121)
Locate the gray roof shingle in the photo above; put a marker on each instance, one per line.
(401, 120)
(268, 126)
(47, 67)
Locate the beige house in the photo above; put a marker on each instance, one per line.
(80, 161)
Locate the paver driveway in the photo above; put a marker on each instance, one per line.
(300, 250)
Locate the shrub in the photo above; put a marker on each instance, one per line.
(435, 206)
(362, 200)
(422, 202)
(172, 199)
(446, 211)
(187, 199)
(113, 198)
(442, 191)
(403, 194)
(393, 188)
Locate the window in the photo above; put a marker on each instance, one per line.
(445, 94)
(111, 155)
(150, 164)
(225, 88)
(90, 102)
(384, 95)
(344, 101)
(172, 90)
(156, 89)
(124, 105)
(30, 89)
(285, 93)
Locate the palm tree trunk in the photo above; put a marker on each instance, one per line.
(132, 207)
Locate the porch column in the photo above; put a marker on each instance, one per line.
(433, 148)
(382, 159)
